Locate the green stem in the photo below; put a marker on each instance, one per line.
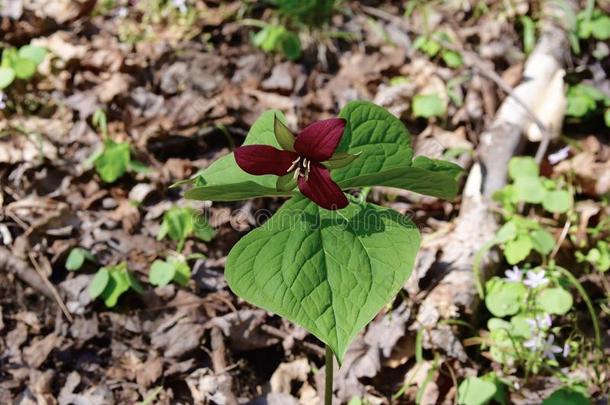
(328, 387)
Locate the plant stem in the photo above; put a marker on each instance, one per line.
(328, 387)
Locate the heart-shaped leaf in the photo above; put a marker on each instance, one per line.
(34, 53)
(7, 75)
(504, 298)
(161, 273)
(475, 391)
(114, 161)
(554, 301)
(328, 271)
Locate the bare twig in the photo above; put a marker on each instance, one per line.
(23, 271)
(562, 237)
(220, 365)
(55, 295)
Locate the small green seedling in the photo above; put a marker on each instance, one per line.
(277, 38)
(528, 187)
(584, 100)
(111, 282)
(180, 223)
(428, 106)
(114, 159)
(432, 45)
(593, 25)
(529, 298)
(325, 260)
(20, 64)
(174, 268)
(292, 17)
(598, 257)
(77, 257)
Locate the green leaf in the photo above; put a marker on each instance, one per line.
(286, 182)
(497, 323)
(475, 391)
(428, 105)
(557, 201)
(161, 273)
(506, 233)
(523, 166)
(177, 224)
(452, 59)
(379, 138)
(529, 189)
(77, 257)
(114, 160)
(328, 271)
(183, 272)
(542, 241)
(518, 249)
(34, 53)
(600, 28)
(606, 116)
(7, 75)
(118, 283)
(579, 105)
(520, 327)
(339, 160)
(502, 349)
(504, 298)
(567, 396)
(284, 137)
(202, 228)
(24, 68)
(223, 180)
(529, 34)
(501, 396)
(385, 158)
(554, 301)
(99, 282)
(291, 45)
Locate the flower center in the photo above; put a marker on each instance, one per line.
(301, 167)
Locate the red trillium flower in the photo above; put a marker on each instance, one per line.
(304, 160)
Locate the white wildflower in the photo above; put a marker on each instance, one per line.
(549, 349)
(541, 322)
(2, 103)
(533, 343)
(514, 275)
(560, 155)
(566, 350)
(535, 279)
(180, 5)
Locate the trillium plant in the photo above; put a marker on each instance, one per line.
(326, 260)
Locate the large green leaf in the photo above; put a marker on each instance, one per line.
(225, 181)
(328, 271)
(380, 140)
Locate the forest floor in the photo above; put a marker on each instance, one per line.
(181, 85)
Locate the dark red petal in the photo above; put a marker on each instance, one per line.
(264, 159)
(321, 189)
(319, 140)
